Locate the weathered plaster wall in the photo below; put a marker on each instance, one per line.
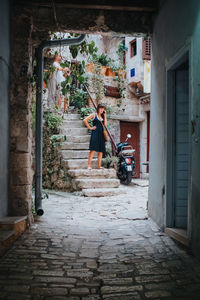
(177, 24)
(4, 104)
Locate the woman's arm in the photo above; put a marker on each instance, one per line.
(105, 119)
(85, 121)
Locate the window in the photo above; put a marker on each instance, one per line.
(146, 48)
(133, 72)
(133, 48)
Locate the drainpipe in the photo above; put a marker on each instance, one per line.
(39, 112)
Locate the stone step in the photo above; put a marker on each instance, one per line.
(18, 224)
(74, 131)
(78, 138)
(75, 146)
(79, 184)
(7, 238)
(75, 154)
(72, 116)
(76, 163)
(94, 173)
(73, 123)
(103, 192)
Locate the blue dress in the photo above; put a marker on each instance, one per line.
(97, 140)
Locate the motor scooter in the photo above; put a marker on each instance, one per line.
(126, 163)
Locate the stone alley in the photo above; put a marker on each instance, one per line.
(98, 248)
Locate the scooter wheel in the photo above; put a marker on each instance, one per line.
(128, 179)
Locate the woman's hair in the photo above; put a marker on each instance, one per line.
(101, 106)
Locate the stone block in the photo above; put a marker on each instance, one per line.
(22, 160)
(79, 291)
(124, 296)
(75, 146)
(96, 183)
(94, 173)
(19, 129)
(119, 289)
(73, 123)
(18, 224)
(22, 208)
(23, 144)
(157, 294)
(22, 176)
(21, 192)
(103, 192)
(47, 291)
(76, 163)
(77, 154)
(74, 131)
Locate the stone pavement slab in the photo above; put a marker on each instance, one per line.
(98, 248)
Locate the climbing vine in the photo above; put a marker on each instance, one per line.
(54, 173)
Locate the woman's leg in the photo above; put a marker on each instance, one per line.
(90, 157)
(100, 154)
(65, 104)
(59, 102)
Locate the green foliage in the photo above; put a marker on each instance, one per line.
(54, 172)
(57, 140)
(80, 98)
(110, 161)
(52, 122)
(120, 50)
(98, 83)
(84, 48)
(86, 111)
(101, 59)
(49, 73)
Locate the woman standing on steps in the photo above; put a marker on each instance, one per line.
(97, 140)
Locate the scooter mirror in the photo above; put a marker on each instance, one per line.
(128, 135)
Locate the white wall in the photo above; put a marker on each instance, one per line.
(135, 61)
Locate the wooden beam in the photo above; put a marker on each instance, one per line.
(91, 6)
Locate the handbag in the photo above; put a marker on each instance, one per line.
(105, 132)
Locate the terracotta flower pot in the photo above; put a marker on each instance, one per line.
(110, 73)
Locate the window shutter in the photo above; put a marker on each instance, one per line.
(146, 48)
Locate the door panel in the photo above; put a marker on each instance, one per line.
(181, 147)
(134, 130)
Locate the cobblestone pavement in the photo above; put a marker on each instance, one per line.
(98, 248)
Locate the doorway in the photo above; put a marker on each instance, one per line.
(178, 149)
(134, 129)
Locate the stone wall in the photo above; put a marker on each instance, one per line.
(20, 123)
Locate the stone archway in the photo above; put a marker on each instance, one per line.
(31, 24)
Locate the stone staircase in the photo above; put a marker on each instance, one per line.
(74, 152)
